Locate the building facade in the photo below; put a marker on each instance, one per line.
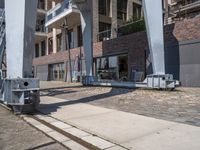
(62, 34)
(120, 47)
(177, 10)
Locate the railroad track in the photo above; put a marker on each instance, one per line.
(67, 135)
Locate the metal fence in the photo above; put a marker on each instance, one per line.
(128, 28)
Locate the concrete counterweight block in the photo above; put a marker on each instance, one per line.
(20, 38)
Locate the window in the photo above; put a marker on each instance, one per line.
(122, 9)
(57, 72)
(37, 53)
(112, 68)
(43, 48)
(80, 36)
(71, 38)
(104, 31)
(104, 7)
(58, 38)
(41, 4)
(137, 11)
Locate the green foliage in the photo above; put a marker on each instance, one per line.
(132, 27)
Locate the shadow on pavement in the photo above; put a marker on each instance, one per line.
(49, 108)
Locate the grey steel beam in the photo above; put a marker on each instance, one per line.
(85, 7)
(154, 24)
(19, 90)
(20, 38)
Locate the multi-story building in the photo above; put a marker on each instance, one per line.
(63, 32)
(182, 9)
(41, 32)
(59, 53)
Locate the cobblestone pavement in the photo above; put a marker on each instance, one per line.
(181, 105)
(15, 134)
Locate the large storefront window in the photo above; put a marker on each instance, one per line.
(112, 68)
(57, 71)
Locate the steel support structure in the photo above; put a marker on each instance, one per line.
(85, 7)
(153, 13)
(19, 89)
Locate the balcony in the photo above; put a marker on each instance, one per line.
(181, 7)
(41, 8)
(40, 33)
(65, 10)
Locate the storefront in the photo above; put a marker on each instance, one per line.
(112, 67)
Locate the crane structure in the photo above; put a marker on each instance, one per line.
(21, 91)
(18, 22)
(153, 13)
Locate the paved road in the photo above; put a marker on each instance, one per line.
(15, 134)
(182, 105)
(134, 132)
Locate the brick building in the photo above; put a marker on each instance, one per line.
(116, 56)
(63, 34)
(178, 10)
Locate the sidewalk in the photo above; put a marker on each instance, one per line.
(126, 129)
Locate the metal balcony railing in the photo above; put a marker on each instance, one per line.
(181, 6)
(104, 35)
(40, 28)
(58, 9)
(126, 29)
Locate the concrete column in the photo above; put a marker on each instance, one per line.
(20, 37)
(53, 4)
(47, 46)
(114, 18)
(54, 41)
(46, 4)
(86, 23)
(154, 26)
(95, 19)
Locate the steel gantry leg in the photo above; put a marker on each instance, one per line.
(154, 25)
(153, 13)
(85, 8)
(19, 89)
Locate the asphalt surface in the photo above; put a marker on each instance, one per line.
(16, 134)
